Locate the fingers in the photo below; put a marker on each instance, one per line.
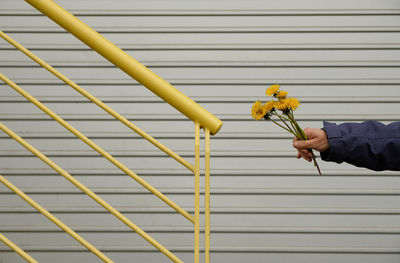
(317, 140)
(302, 149)
(305, 154)
(300, 144)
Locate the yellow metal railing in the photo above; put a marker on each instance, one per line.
(129, 65)
(200, 117)
(17, 249)
(95, 146)
(42, 210)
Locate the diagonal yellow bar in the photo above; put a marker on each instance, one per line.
(97, 101)
(97, 148)
(89, 192)
(47, 214)
(197, 193)
(207, 197)
(17, 249)
(129, 65)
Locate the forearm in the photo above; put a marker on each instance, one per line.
(369, 144)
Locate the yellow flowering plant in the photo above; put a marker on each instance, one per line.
(282, 107)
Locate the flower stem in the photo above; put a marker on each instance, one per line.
(289, 130)
(282, 119)
(298, 128)
(294, 128)
(315, 163)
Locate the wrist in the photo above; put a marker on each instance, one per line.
(324, 141)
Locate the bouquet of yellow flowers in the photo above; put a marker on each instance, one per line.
(286, 105)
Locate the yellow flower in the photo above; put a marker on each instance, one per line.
(287, 103)
(258, 110)
(281, 105)
(282, 94)
(272, 90)
(293, 103)
(269, 105)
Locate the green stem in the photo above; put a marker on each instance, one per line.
(315, 163)
(298, 128)
(283, 127)
(294, 128)
(280, 117)
(292, 123)
(283, 116)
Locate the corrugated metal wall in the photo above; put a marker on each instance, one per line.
(340, 58)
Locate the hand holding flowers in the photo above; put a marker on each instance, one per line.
(286, 105)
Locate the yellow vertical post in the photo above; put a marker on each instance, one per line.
(17, 249)
(47, 214)
(197, 194)
(207, 197)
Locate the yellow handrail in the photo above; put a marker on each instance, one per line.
(96, 147)
(128, 64)
(89, 192)
(44, 212)
(97, 101)
(17, 249)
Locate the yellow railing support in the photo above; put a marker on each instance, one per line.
(197, 194)
(96, 148)
(96, 101)
(129, 65)
(89, 192)
(46, 213)
(201, 118)
(17, 249)
(207, 197)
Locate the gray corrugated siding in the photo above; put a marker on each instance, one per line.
(340, 58)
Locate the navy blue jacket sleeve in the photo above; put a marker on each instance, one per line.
(370, 144)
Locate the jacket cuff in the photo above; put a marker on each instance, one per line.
(335, 151)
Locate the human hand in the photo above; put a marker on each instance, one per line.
(317, 140)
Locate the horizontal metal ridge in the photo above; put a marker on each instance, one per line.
(216, 99)
(246, 12)
(143, 153)
(214, 230)
(216, 172)
(214, 210)
(256, 58)
(176, 117)
(156, 135)
(213, 64)
(239, 81)
(216, 29)
(250, 64)
(226, 11)
(214, 191)
(214, 249)
(210, 100)
(219, 46)
(213, 7)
